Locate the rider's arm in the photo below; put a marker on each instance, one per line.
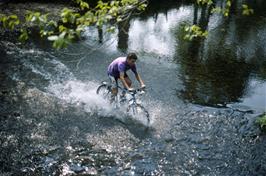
(122, 77)
(134, 69)
(139, 80)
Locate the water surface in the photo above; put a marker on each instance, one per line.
(203, 97)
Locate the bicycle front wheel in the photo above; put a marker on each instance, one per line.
(139, 112)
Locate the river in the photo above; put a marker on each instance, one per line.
(203, 98)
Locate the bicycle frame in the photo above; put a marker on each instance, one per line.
(133, 98)
(109, 86)
(133, 94)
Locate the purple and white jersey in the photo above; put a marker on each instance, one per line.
(120, 65)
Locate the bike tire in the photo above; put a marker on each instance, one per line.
(139, 111)
(104, 91)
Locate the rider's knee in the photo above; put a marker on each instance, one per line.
(129, 83)
(114, 91)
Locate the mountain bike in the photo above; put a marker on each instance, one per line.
(130, 98)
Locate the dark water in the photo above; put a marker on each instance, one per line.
(203, 97)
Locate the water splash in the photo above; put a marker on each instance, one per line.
(81, 94)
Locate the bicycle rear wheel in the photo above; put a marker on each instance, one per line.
(139, 112)
(104, 91)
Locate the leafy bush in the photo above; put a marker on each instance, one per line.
(262, 122)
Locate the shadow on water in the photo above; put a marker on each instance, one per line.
(135, 127)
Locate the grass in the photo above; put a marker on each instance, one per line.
(262, 122)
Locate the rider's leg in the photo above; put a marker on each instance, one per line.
(129, 83)
(114, 89)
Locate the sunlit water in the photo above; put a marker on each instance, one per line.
(62, 127)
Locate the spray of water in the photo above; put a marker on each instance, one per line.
(82, 94)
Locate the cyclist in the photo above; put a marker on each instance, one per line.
(117, 70)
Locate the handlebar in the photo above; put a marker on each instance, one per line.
(134, 91)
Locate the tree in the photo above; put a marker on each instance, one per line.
(73, 22)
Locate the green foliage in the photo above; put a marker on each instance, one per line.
(216, 10)
(9, 22)
(203, 2)
(247, 10)
(24, 35)
(72, 23)
(36, 17)
(262, 122)
(69, 16)
(83, 5)
(226, 9)
(61, 40)
(193, 32)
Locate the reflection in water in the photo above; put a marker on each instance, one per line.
(217, 71)
(216, 81)
(123, 29)
(100, 34)
(154, 35)
(210, 77)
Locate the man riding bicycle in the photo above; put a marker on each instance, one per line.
(117, 70)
